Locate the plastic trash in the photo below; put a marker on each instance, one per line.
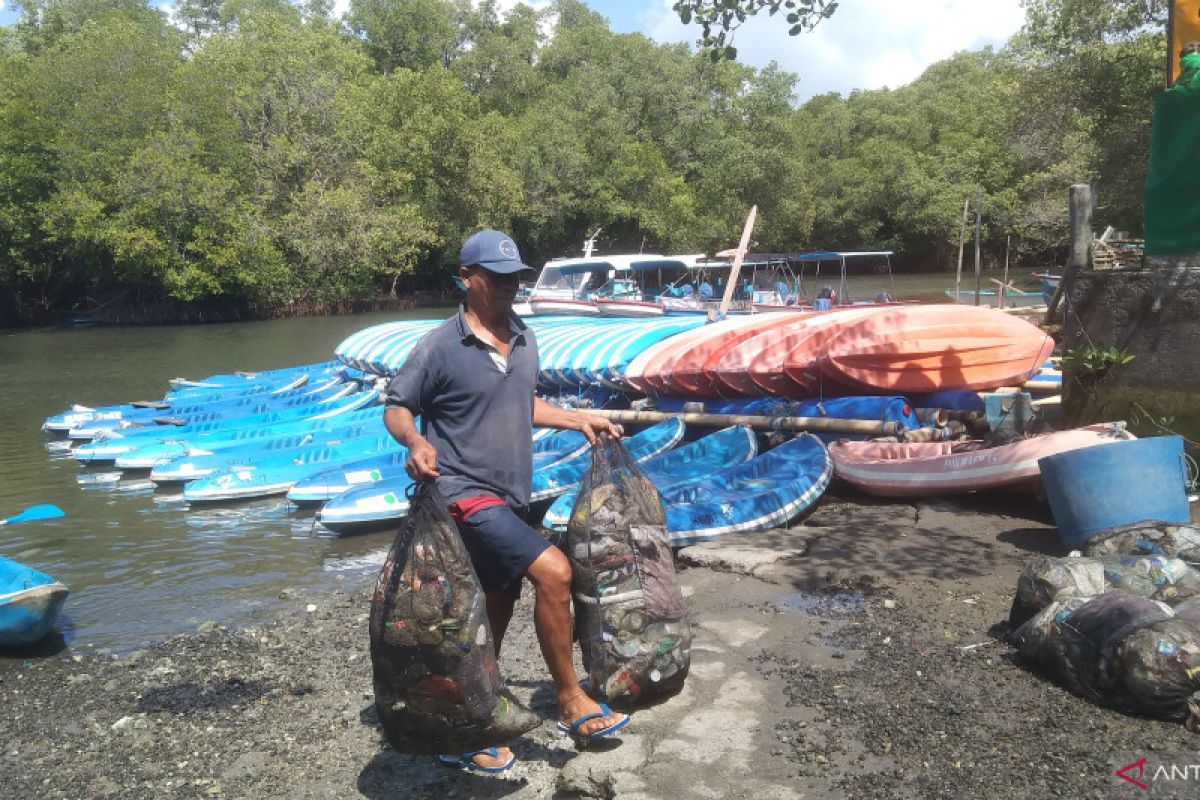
(630, 614)
(1045, 580)
(1147, 538)
(437, 686)
(1048, 579)
(1121, 650)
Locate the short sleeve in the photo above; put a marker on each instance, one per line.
(410, 386)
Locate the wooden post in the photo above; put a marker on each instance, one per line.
(962, 237)
(1081, 228)
(737, 262)
(978, 226)
(1080, 257)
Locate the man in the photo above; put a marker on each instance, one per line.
(471, 380)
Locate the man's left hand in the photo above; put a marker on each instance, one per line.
(592, 426)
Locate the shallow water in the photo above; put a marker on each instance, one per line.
(141, 566)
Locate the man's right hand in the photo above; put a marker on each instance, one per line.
(422, 461)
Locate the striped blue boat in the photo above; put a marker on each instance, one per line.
(690, 462)
(765, 492)
(554, 480)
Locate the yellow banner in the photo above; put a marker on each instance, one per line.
(1184, 28)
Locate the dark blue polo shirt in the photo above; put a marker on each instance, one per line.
(478, 418)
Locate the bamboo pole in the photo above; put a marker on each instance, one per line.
(962, 240)
(743, 245)
(938, 417)
(823, 424)
(1004, 283)
(978, 231)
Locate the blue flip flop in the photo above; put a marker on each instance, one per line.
(466, 761)
(573, 731)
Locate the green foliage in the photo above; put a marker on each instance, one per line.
(1094, 361)
(719, 19)
(258, 153)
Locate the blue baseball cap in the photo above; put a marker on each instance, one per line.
(493, 251)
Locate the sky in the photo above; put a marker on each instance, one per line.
(867, 44)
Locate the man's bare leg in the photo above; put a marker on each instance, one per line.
(550, 574)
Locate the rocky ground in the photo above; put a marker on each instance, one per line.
(854, 656)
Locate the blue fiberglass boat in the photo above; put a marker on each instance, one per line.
(151, 455)
(192, 467)
(180, 386)
(30, 602)
(220, 410)
(276, 475)
(695, 461)
(116, 444)
(762, 493)
(305, 383)
(322, 486)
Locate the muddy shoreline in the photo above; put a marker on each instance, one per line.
(854, 655)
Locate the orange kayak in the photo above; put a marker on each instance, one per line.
(928, 348)
(692, 373)
(757, 367)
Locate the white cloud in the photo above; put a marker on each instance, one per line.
(866, 44)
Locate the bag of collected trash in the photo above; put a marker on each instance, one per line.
(629, 611)
(1147, 538)
(1157, 577)
(437, 687)
(1126, 651)
(1159, 667)
(1047, 579)
(1189, 611)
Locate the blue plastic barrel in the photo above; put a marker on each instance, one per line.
(1121, 483)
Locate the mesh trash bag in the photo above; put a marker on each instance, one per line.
(1147, 538)
(1189, 611)
(1047, 579)
(1157, 577)
(437, 687)
(629, 612)
(1075, 642)
(1159, 668)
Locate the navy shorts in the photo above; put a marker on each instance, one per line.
(502, 547)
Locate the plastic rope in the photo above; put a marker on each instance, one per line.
(1191, 474)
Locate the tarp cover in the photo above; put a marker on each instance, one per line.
(1173, 180)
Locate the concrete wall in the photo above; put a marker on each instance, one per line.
(1152, 313)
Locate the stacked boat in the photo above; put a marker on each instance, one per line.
(315, 432)
(870, 349)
